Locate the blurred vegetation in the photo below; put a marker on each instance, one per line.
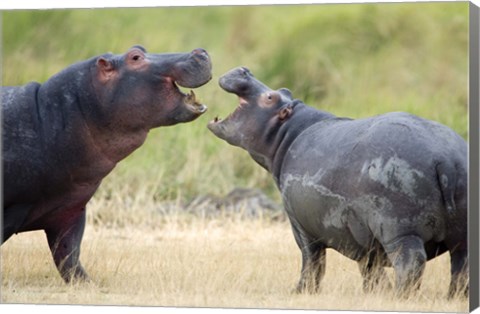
(353, 60)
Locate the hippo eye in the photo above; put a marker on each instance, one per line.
(135, 54)
(270, 98)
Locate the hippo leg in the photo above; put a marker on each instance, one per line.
(459, 272)
(313, 263)
(408, 257)
(64, 243)
(373, 274)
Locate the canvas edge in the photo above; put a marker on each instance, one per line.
(474, 96)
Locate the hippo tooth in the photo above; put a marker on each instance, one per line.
(190, 97)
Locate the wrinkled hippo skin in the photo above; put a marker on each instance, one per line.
(389, 190)
(62, 137)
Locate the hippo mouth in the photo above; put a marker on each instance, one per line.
(190, 100)
(241, 105)
(229, 127)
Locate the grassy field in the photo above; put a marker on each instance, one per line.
(353, 60)
(204, 263)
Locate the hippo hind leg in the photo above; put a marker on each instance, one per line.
(459, 273)
(64, 243)
(373, 274)
(408, 257)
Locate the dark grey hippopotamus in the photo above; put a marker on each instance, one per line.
(389, 190)
(62, 137)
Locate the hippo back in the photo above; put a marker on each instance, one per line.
(347, 181)
(21, 141)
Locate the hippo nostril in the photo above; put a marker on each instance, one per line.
(200, 52)
(245, 71)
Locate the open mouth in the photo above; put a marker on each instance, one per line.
(190, 100)
(193, 104)
(241, 105)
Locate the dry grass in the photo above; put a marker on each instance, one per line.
(202, 263)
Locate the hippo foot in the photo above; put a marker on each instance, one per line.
(303, 288)
(454, 293)
(76, 275)
(459, 274)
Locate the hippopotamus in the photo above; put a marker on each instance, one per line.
(388, 190)
(62, 137)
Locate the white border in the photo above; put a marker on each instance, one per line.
(50, 4)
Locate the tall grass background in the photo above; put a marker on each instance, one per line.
(353, 60)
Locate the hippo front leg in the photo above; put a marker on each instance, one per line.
(408, 257)
(64, 243)
(313, 263)
(313, 268)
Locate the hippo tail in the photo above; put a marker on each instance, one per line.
(447, 180)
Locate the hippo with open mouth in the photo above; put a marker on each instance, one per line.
(62, 137)
(389, 190)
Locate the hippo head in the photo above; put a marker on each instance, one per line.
(256, 122)
(141, 89)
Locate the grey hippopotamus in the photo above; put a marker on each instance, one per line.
(62, 137)
(389, 190)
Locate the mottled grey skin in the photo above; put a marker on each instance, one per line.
(62, 137)
(389, 190)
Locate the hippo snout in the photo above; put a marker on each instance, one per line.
(195, 71)
(235, 76)
(240, 81)
(236, 80)
(201, 58)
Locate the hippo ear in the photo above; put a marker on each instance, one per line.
(140, 47)
(284, 113)
(106, 69)
(286, 92)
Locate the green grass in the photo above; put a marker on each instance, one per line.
(353, 60)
